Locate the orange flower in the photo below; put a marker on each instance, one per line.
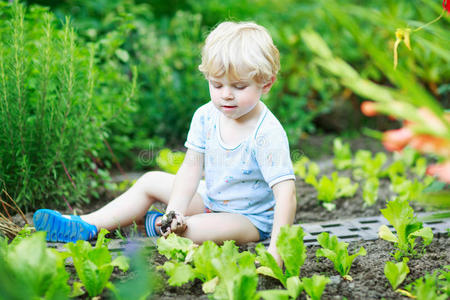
(430, 144)
(442, 171)
(397, 139)
(368, 108)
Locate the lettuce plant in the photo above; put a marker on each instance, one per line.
(30, 270)
(94, 265)
(401, 216)
(427, 287)
(176, 248)
(315, 286)
(329, 190)
(409, 189)
(225, 273)
(342, 154)
(337, 252)
(396, 272)
(292, 251)
(370, 191)
(293, 289)
(445, 280)
(300, 167)
(366, 166)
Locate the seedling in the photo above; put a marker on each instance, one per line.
(342, 154)
(337, 252)
(396, 272)
(427, 288)
(94, 265)
(292, 251)
(300, 167)
(370, 191)
(315, 286)
(368, 166)
(329, 190)
(401, 216)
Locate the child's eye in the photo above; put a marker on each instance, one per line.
(240, 86)
(216, 85)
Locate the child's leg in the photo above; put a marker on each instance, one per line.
(135, 202)
(219, 227)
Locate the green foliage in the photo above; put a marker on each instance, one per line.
(145, 280)
(292, 251)
(170, 161)
(366, 166)
(427, 287)
(300, 167)
(293, 289)
(337, 252)
(94, 265)
(342, 154)
(409, 189)
(315, 285)
(225, 273)
(332, 189)
(396, 272)
(30, 270)
(401, 216)
(370, 191)
(52, 116)
(176, 248)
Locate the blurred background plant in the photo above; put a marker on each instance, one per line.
(426, 127)
(166, 40)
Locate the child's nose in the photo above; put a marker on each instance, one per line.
(227, 93)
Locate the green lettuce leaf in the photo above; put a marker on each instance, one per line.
(396, 272)
(315, 286)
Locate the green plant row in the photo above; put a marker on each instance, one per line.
(406, 174)
(227, 273)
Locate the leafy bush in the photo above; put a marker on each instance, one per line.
(52, 108)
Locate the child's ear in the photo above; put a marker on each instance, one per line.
(266, 87)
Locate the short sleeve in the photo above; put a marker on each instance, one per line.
(196, 137)
(273, 156)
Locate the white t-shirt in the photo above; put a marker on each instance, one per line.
(239, 179)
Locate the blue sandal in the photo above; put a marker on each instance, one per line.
(62, 229)
(150, 223)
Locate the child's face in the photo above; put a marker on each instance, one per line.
(235, 98)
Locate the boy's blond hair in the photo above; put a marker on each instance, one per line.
(241, 50)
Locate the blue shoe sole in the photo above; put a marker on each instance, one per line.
(150, 219)
(62, 229)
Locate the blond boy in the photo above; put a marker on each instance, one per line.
(248, 192)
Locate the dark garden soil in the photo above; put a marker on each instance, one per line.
(369, 281)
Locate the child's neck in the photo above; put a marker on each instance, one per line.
(234, 131)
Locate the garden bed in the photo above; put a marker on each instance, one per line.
(369, 281)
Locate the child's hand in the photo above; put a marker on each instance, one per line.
(172, 222)
(274, 252)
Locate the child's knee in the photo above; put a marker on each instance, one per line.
(150, 177)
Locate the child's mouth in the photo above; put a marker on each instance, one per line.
(228, 107)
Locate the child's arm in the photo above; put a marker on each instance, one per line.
(285, 207)
(185, 185)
